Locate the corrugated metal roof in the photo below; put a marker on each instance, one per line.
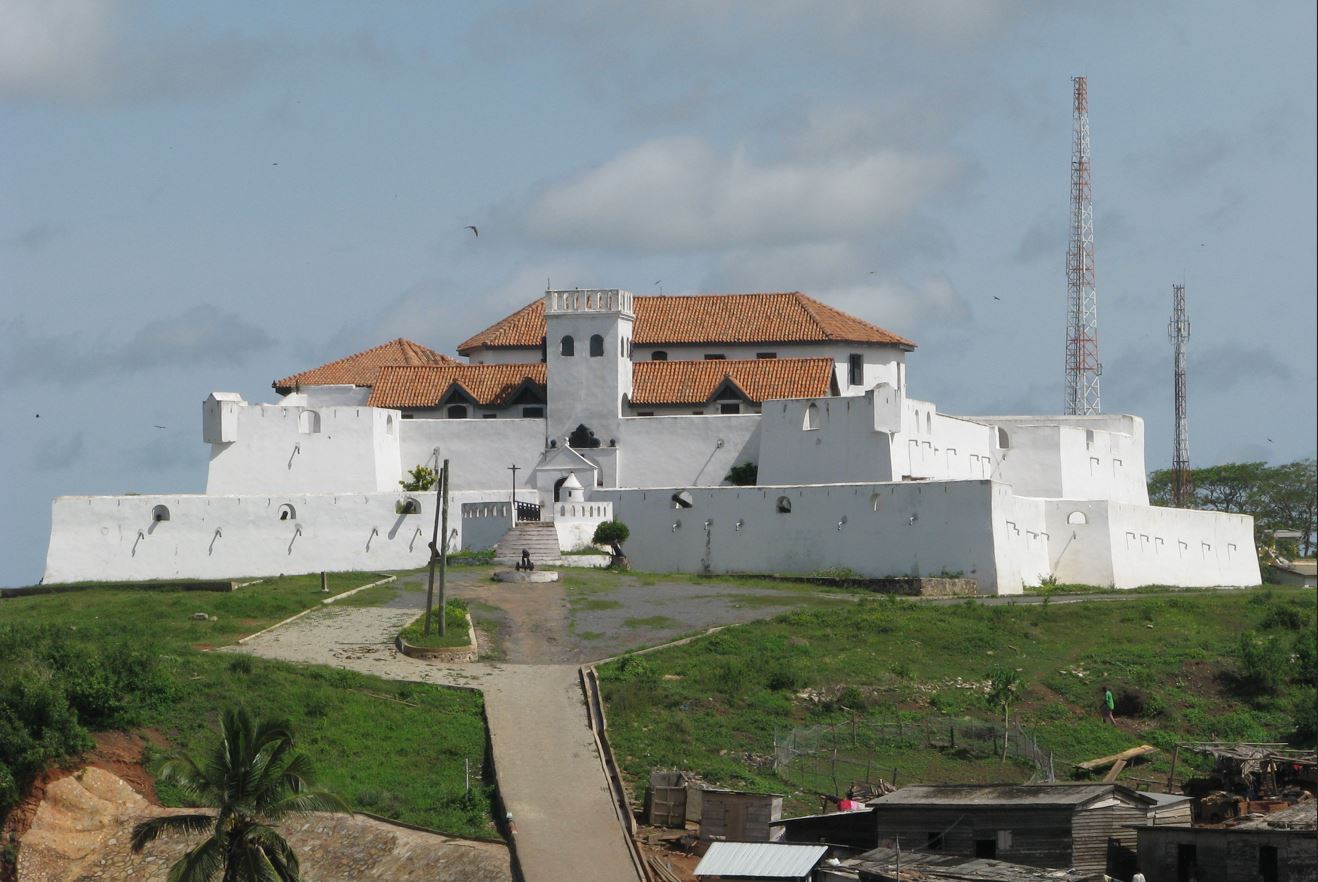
(767, 860)
(987, 795)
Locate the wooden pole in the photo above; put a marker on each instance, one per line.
(1176, 751)
(434, 550)
(443, 554)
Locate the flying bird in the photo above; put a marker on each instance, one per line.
(996, 297)
(474, 231)
(160, 427)
(1269, 440)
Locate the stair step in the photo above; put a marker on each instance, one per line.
(539, 538)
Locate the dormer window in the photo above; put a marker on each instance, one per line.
(658, 355)
(456, 412)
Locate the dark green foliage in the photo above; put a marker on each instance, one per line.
(1284, 618)
(241, 665)
(611, 533)
(743, 474)
(1263, 662)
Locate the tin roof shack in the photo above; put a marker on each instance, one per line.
(760, 860)
(740, 817)
(1087, 827)
(887, 865)
(1280, 847)
(853, 830)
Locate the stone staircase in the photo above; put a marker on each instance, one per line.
(538, 537)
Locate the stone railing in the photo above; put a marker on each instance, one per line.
(583, 511)
(589, 300)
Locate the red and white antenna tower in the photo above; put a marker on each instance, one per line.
(1178, 331)
(1082, 365)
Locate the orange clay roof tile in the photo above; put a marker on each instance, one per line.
(695, 382)
(361, 369)
(489, 385)
(706, 318)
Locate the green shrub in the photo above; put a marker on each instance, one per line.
(1263, 662)
(241, 665)
(783, 676)
(611, 533)
(634, 668)
(743, 474)
(1282, 618)
(1306, 656)
(419, 479)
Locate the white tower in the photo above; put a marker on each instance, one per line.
(588, 348)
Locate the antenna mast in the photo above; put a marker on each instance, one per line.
(1082, 365)
(1178, 331)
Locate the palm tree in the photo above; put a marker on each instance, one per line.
(253, 778)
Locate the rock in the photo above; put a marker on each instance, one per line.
(199, 617)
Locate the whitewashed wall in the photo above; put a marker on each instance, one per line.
(917, 530)
(575, 522)
(479, 451)
(278, 449)
(113, 538)
(666, 451)
(881, 362)
(328, 396)
(1061, 457)
(1127, 546)
(845, 446)
(1021, 537)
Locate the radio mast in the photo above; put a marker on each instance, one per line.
(1082, 365)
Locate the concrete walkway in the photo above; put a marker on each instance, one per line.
(548, 769)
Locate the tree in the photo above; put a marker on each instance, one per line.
(421, 478)
(743, 474)
(612, 534)
(253, 777)
(1004, 688)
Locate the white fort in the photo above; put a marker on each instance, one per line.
(637, 407)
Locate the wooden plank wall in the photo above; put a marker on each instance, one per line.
(1040, 837)
(1227, 856)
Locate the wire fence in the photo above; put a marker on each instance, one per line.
(833, 757)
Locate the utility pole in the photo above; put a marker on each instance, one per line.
(1178, 332)
(1082, 365)
(443, 554)
(434, 546)
(513, 501)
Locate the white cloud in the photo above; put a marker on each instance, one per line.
(680, 194)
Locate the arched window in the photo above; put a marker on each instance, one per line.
(457, 411)
(388, 424)
(1077, 517)
(287, 512)
(596, 346)
(567, 347)
(658, 355)
(1004, 440)
(784, 505)
(160, 513)
(928, 423)
(682, 499)
(308, 422)
(811, 418)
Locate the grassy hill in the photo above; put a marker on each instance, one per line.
(892, 686)
(120, 659)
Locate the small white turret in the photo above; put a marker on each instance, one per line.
(572, 490)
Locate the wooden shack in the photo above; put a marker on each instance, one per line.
(1280, 847)
(735, 816)
(1089, 827)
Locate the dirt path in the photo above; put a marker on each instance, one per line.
(548, 769)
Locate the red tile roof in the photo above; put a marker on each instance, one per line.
(489, 385)
(695, 382)
(361, 369)
(706, 319)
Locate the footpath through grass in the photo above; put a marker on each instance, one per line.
(899, 685)
(120, 659)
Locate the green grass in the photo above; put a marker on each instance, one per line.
(714, 705)
(395, 749)
(455, 621)
(650, 622)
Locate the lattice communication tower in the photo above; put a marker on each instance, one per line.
(1178, 332)
(1082, 365)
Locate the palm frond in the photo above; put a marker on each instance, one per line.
(201, 863)
(151, 830)
(309, 801)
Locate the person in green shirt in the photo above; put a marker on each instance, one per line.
(1108, 706)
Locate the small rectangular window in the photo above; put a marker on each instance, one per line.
(1268, 869)
(856, 369)
(489, 416)
(645, 413)
(408, 416)
(729, 407)
(533, 412)
(766, 355)
(934, 842)
(714, 356)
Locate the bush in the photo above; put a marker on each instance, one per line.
(743, 474)
(783, 676)
(420, 478)
(634, 668)
(1306, 656)
(611, 533)
(1263, 662)
(1283, 618)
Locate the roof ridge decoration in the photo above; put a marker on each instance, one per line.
(695, 319)
(361, 368)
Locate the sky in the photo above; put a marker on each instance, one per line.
(202, 197)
